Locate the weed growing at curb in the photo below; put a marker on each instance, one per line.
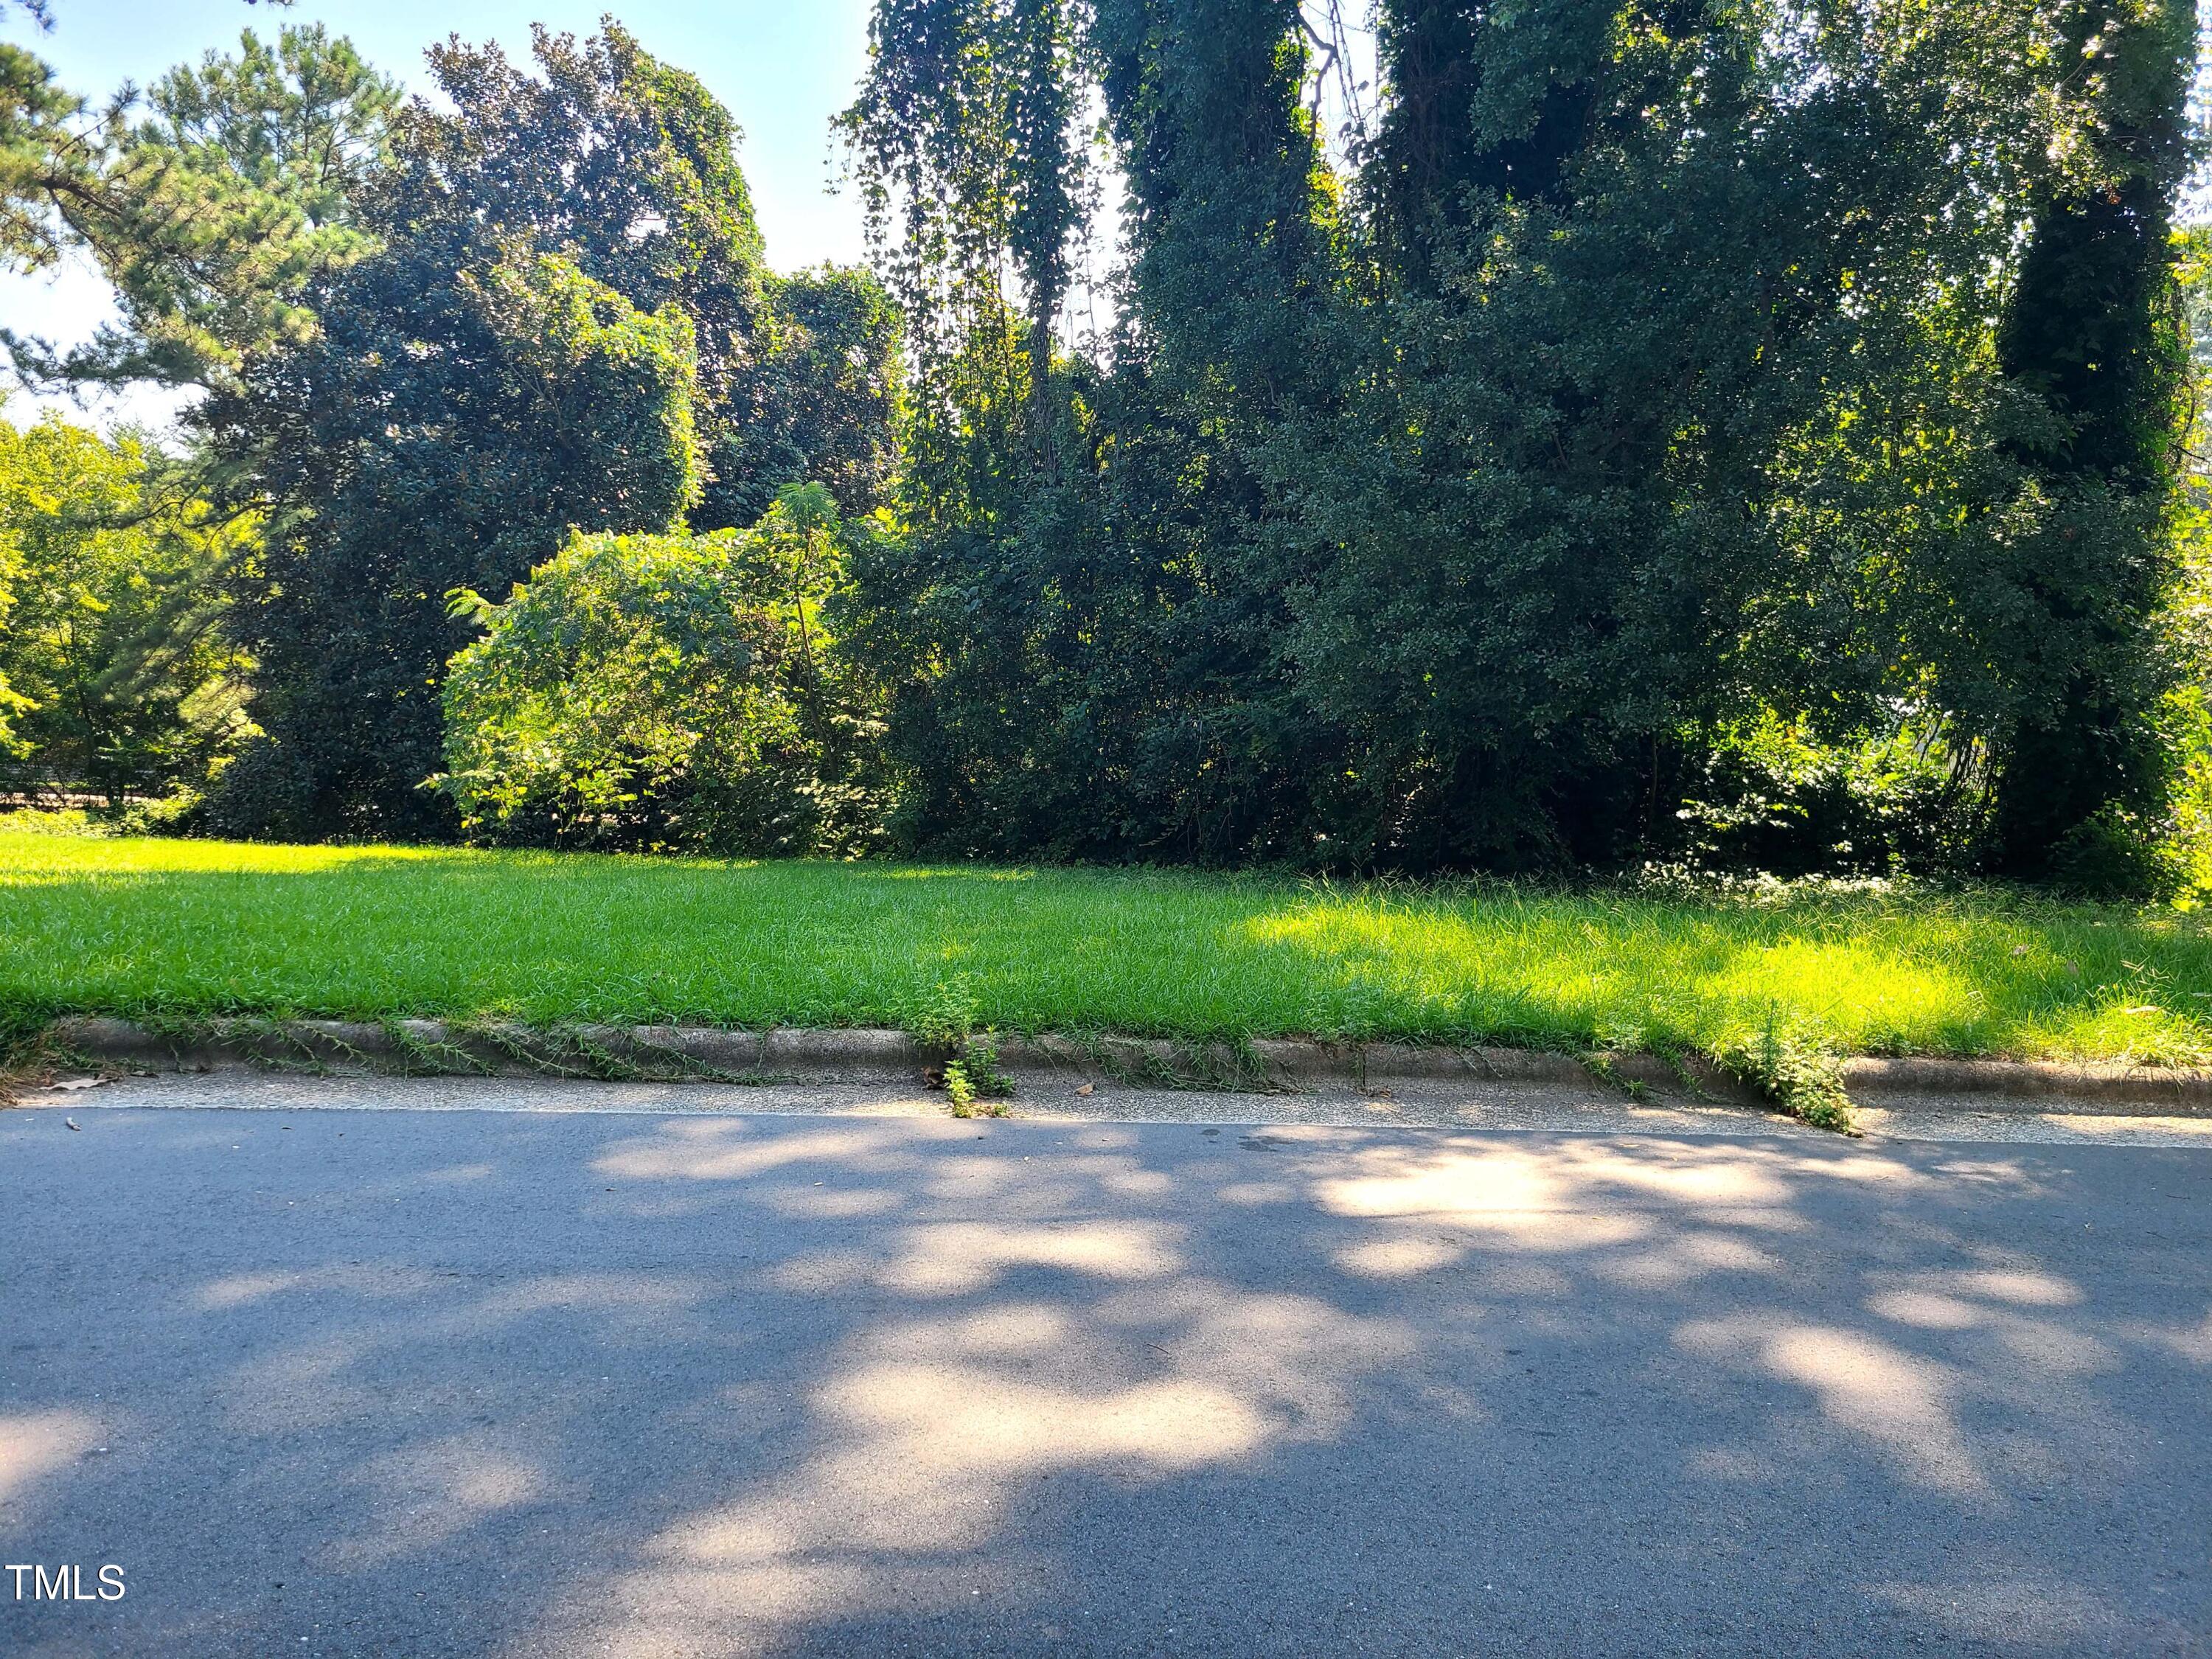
(1799, 1073)
(978, 1085)
(942, 1024)
(1600, 1065)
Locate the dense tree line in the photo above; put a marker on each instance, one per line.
(1752, 434)
(1660, 391)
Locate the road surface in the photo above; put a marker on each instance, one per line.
(417, 1383)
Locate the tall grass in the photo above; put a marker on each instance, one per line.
(196, 929)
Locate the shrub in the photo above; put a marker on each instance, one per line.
(1768, 797)
(669, 692)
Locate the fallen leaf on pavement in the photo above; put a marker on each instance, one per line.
(1086, 1088)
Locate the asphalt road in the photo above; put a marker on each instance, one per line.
(421, 1384)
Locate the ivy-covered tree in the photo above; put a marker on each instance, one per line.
(1080, 626)
(971, 170)
(1236, 260)
(2092, 332)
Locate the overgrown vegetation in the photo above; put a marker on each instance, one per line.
(1803, 1076)
(1733, 439)
(1649, 376)
(670, 693)
(963, 1061)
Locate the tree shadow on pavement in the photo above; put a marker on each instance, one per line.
(552, 1386)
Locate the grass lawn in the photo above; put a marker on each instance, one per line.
(194, 927)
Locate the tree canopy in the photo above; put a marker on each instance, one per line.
(564, 323)
(1676, 431)
(1647, 373)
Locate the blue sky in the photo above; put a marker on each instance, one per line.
(784, 67)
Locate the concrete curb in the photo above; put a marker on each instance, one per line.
(706, 1054)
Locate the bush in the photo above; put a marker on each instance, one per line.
(48, 821)
(181, 812)
(670, 692)
(1768, 798)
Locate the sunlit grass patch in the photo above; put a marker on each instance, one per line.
(194, 928)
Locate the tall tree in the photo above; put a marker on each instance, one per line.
(114, 676)
(458, 410)
(2091, 331)
(568, 325)
(1080, 622)
(1235, 255)
(627, 165)
(45, 159)
(210, 209)
(971, 173)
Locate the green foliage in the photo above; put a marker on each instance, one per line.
(942, 1019)
(964, 137)
(1767, 797)
(1655, 375)
(1543, 550)
(114, 675)
(976, 1082)
(1710, 435)
(829, 389)
(215, 211)
(567, 326)
(49, 821)
(1799, 1073)
(961, 1091)
(2090, 330)
(628, 166)
(458, 412)
(673, 692)
(1080, 627)
(45, 159)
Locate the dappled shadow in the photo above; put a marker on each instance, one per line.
(727, 1385)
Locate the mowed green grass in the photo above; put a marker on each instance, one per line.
(186, 928)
